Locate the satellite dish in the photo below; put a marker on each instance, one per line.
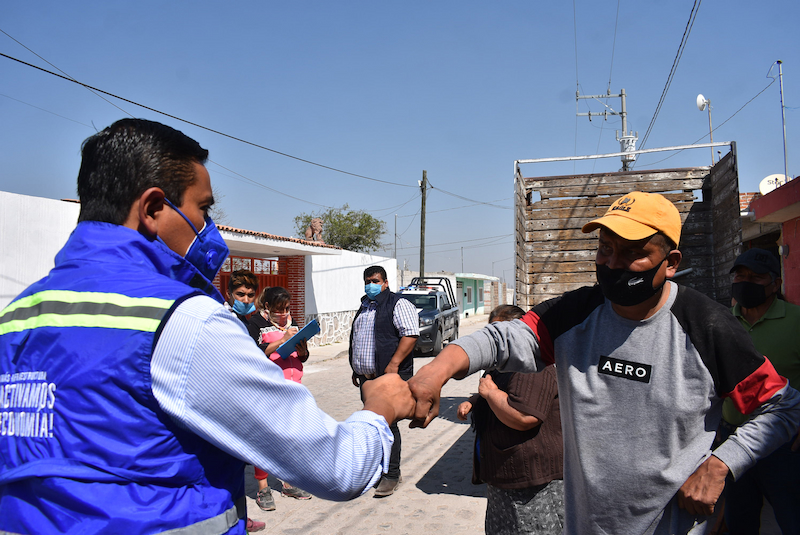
(771, 182)
(701, 102)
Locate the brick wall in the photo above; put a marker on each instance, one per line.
(297, 287)
(746, 198)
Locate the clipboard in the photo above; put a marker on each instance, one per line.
(287, 348)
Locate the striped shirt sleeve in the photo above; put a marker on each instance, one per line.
(405, 318)
(211, 378)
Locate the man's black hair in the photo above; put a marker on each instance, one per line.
(130, 156)
(505, 313)
(667, 245)
(372, 270)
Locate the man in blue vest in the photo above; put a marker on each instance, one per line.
(130, 395)
(384, 332)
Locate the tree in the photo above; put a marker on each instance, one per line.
(354, 230)
(217, 212)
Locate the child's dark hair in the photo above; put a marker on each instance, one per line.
(273, 297)
(243, 277)
(506, 313)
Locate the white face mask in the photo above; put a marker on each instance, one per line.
(278, 319)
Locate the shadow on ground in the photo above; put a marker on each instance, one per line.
(452, 473)
(251, 485)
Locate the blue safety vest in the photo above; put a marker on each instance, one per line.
(84, 445)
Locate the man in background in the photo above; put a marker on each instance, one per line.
(383, 336)
(774, 326)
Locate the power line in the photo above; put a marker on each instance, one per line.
(62, 72)
(681, 47)
(577, 82)
(410, 223)
(240, 140)
(242, 179)
(613, 49)
(718, 126)
(467, 199)
(458, 207)
(46, 111)
(396, 207)
(608, 89)
(452, 250)
(279, 192)
(467, 241)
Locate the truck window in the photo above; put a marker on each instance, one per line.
(425, 302)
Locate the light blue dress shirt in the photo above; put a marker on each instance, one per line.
(211, 379)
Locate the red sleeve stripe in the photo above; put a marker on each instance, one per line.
(756, 388)
(532, 320)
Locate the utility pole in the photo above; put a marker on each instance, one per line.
(395, 236)
(627, 141)
(783, 120)
(424, 187)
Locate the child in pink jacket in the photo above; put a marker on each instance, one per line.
(270, 327)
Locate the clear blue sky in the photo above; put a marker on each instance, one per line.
(458, 88)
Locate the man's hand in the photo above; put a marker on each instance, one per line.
(463, 410)
(486, 386)
(426, 385)
(699, 494)
(389, 396)
(355, 380)
(391, 368)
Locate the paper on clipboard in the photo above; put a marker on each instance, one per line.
(287, 348)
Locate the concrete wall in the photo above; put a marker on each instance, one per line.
(32, 231)
(334, 287)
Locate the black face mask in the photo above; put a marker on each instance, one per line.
(625, 287)
(749, 294)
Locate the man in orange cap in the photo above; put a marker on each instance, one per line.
(643, 366)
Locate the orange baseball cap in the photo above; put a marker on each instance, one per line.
(639, 215)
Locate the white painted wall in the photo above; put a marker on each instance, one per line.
(32, 231)
(336, 283)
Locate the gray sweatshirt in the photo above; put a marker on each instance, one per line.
(641, 401)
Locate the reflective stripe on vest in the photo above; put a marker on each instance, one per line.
(217, 525)
(222, 523)
(65, 308)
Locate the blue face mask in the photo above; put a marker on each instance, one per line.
(208, 250)
(372, 290)
(242, 309)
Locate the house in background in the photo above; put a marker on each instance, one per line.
(32, 230)
(326, 282)
(479, 293)
(475, 293)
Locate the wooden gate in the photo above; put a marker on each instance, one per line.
(270, 272)
(554, 256)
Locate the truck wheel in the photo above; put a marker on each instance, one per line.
(437, 343)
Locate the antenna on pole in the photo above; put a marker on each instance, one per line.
(783, 118)
(702, 104)
(627, 141)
